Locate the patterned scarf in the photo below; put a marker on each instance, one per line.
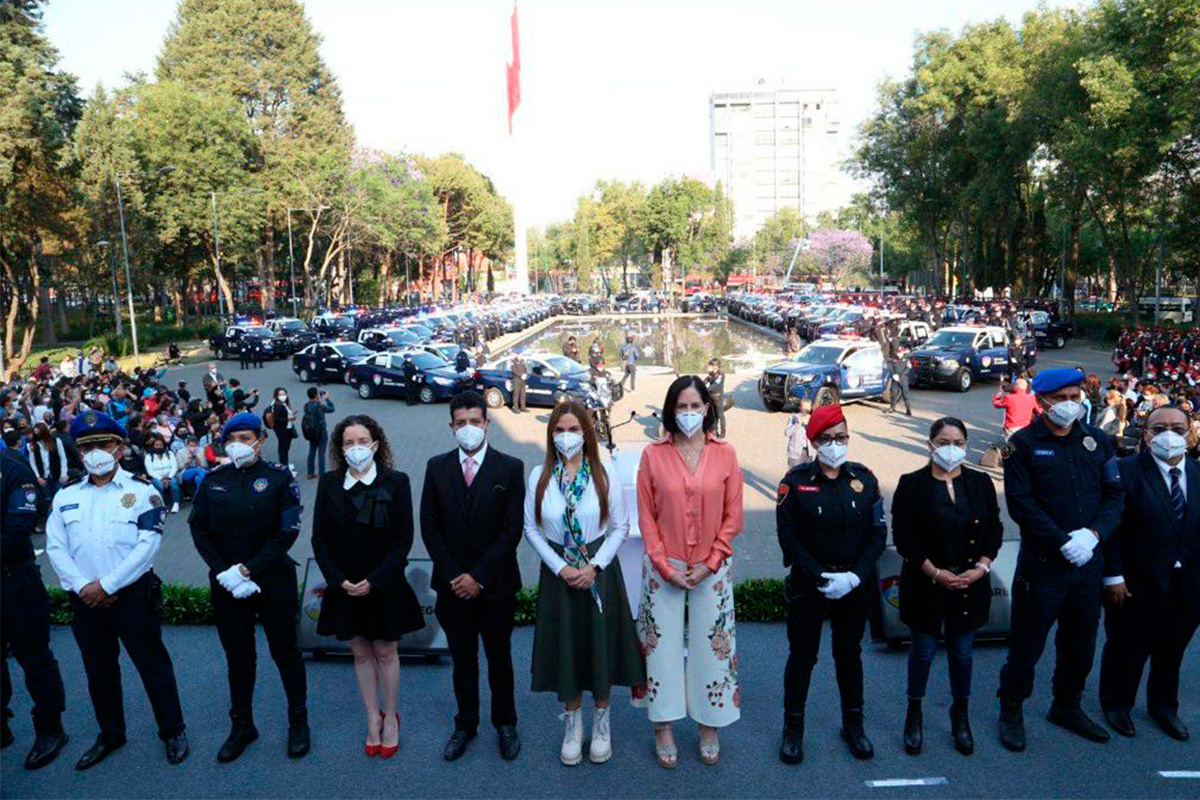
(575, 547)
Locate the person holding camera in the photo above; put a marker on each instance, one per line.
(314, 429)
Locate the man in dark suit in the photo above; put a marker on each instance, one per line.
(1152, 577)
(471, 522)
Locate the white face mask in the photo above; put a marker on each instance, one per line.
(469, 437)
(568, 443)
(1064, 413)
(1168, 445)
(283, 397)
(99, 462)
(689, 422)
(359, 456)
(241, 454)
(832, 455)
(949, 456)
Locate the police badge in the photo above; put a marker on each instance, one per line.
(128, 500)
(1089, 444)
(856, 485)
(260, 485)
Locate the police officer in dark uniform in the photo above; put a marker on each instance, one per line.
(412, 387)
(830, 521)
(25, 613)
(258, 351)
(462, 361)
(520, 370)
(1063, 491)
(245, 517)
(244, 356)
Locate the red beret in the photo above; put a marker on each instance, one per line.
(822, 419)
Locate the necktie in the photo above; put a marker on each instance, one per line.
(468, 470)
(1177, 495)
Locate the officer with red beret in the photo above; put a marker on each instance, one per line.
(830, 521)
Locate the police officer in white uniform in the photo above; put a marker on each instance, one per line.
(101, 539)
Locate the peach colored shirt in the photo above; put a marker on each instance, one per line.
(691, 518)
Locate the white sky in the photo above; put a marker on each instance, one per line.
(610, 88)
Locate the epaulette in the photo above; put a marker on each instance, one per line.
(279, 467)
(220, 467)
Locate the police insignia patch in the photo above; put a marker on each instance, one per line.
(260, 485)
(31, 497)
(90, 418)
(783, 493)
(856, 485)
(128, 500)
(156, 501)
(1089, 443)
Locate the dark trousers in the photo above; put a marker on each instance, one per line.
(1045, 593)
(958, 655)
(847, 621)
(285, 445)
(1141, 629)
(25, 632)
(465, 623)
(899, 390)
(518, 396)
(316, 454)
(135, 622)
(243, 359)
(277, 607)
(631, 375)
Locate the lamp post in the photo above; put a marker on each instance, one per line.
(116, 177)
(112, 268)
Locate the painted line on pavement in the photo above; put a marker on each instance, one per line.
(1186, 774)
(892, 783)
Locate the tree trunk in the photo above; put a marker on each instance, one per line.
(269, 271)
(16, 359)
(223, 286)
(177, 300)
(385, 279)
(49, 335)
(61, 304)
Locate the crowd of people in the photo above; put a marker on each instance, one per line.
(1091, 526)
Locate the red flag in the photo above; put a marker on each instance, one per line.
(513, 73)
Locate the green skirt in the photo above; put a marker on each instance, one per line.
(576, 648)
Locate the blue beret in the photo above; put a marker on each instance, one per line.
(92, 426)
(241, 421)
(1051, 380)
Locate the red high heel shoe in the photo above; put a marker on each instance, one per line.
(384, 750)
(373, 750)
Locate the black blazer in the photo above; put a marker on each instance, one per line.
(923, 605)
(1149, 542)
(474, 530)
(391, 512)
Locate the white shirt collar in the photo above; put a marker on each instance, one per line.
(1166, 468)
(477, 456)
(121, 478)
(367, 478)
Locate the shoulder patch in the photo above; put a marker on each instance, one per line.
(783, 493)
(156, 500)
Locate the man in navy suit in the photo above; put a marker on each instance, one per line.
(1152, 577)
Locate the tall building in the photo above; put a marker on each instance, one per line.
(774, 147)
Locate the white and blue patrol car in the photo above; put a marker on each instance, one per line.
(827, 371)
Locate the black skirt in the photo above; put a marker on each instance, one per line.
(381, 616)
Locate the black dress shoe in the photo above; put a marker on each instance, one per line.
(299, 736)
(45, 749)
(240, 736)
(1068, 714)
(457, 745)
(510, 742)
(1121, 722)
(854, 735)
(99, 751)
(1171, 724)
(1012, 725)
(914, 734)
(177, 749)
(791, 749)
(960, 728)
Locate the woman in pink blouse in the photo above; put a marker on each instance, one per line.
(689, 511)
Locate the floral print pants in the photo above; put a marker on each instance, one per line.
(696, 676)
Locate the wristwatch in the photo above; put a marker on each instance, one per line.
(242, 569)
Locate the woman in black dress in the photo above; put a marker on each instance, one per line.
(282, 423)
(946, 527)
(362, 534)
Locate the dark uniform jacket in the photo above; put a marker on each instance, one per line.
(247, 516)
(1150, 540)
(19, 515)
(1058, 484)
(829, 525)
(923, 605)
(474, 529)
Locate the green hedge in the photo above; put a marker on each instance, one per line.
(755, 600)
(151, 336)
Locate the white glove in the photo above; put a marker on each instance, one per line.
(839, 584)
(1079, 549)
(231, 578)
(244, 589)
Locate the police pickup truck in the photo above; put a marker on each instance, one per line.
(237, 338)
(827, 371)
(960, 355)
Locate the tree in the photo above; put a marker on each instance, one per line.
(775, 242)
(845, 256)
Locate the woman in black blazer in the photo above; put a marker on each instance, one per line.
(946, 527)
(362, 534)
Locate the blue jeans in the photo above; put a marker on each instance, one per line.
(958, 655)
(172, 496)
(193, 474)
(316, 453)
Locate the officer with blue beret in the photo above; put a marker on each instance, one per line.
(245, 518)
(102, 535)
(25, 613)
(1063, 491)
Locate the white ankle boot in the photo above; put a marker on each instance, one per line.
(601, 747)
(572, 746)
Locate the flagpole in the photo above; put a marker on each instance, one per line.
(520, 245)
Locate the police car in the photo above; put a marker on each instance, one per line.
(960, 355)
(294, 333)
(388, 338)
(327, 361)
(382, 375)
(1048, 329)
(237, 338)
(549, 379)
(827, 371)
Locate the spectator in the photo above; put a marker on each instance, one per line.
(163, 469)
(315, 431)
(1111, 418)
(1020, 406)
(192, 465)
(48, 458)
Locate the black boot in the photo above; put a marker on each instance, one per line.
(241, 734)
(791, 749)
(299, 737)
(1066, 713)
(854, 735)
(50, 740)
(960, 727)
(914, 734)
(1012, 725)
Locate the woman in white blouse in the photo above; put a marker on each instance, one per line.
(585, 641)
